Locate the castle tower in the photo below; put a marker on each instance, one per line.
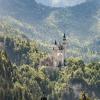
(54, 54)
(61, 56)
(55, 48)
(64, 46)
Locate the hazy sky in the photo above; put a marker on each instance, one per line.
(61, 3)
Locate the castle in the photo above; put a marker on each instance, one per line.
(58, 55)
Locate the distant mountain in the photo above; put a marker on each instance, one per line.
(27, 10)
(52, 22)
(41, 23)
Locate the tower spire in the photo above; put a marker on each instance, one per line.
(55, 42)
(64, 45)
(64, 37)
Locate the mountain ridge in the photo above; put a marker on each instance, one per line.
(45, 24)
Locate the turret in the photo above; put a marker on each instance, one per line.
(64, 37)
(55, 42)
(64, 46)
(55, 47)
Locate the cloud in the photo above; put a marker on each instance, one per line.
(61, 3)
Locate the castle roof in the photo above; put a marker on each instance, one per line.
(61, 47)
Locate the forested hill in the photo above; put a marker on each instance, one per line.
(46, 24)
(87, 49)
(21, 50)
(26, 81)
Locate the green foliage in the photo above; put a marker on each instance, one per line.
(22, 79)
(84, 96)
